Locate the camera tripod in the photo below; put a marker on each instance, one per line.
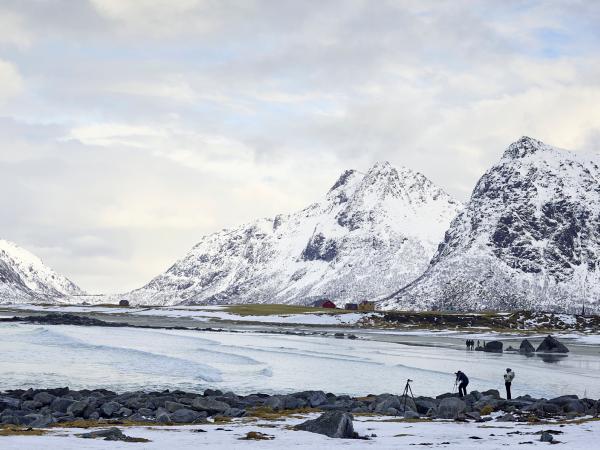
(407, 390)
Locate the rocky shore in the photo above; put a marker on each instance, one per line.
(63, 406)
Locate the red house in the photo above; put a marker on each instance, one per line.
(324, 304)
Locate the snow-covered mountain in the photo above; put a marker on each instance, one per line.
(24, 278)
(529, 238)
(370, 234)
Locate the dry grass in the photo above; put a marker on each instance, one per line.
(103, 423)
(486, 410)
(274, 309)
(13, 430)
(405, 420)
(265, 413)
(257, 436)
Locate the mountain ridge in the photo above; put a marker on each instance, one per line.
(25, 278)
(352, 245)
(528, 238)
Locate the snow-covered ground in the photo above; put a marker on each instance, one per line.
(389, 435)
(133, 358)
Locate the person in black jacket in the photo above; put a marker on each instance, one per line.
(462, 381)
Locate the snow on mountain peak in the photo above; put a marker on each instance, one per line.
(528, 238)
(24, 277)
(525, 146)
(372, 232)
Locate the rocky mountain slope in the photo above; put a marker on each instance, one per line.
(25, 278)
(529, 238)
(370, 234)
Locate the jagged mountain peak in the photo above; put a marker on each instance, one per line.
(359, 242)
(24, 277)
(525, 146)
(528, 238)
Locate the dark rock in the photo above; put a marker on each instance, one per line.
(174, 406)
(108, 409)
(546, 437)
(110, 434)
(30, 405)
(36, 420)
(563, 400)
(187, 416)
(507, 418)
(43, 398)
(450, 408)
(575, 406)
(68, 319)
(425, 404)
(552, 345)
(146, 412)
(209, 405)
(235, 412)
(526, 347)
(388, 401)
(493, 347)
(163, 417)
(61, 404)
(76, 408)
(124, 412)
(491, 393)
(334, 424)
(314, 398)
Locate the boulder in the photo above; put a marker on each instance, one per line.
(43, 398)
(401, 404)
(314, 398)
(563, 400)
(491, 393)
(187, 416)
(209, 405)
(37, 420)
(493, 347)
(425, 404)
(76, 408)
(61, 404)
(450, 408)
(174, 406)
(526, 347)
(108, 409)
(110, 434)
(575, 406)
(335, 424)
(546, 437)
(552, 345)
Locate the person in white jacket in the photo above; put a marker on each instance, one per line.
(509, 376)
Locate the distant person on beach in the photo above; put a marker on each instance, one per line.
(462, 381)
(509, 376)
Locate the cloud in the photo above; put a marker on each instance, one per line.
(131, 128)
(11, 83)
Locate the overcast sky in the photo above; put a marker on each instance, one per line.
(130, 128)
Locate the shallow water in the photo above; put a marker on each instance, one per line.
(129, 358)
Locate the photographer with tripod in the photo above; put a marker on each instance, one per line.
(462, 380)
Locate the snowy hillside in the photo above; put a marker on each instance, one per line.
(25, 278)
(529, 238)
(370, 234)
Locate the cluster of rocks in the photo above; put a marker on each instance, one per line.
(64, 319)
(549, 345)
(42, 408)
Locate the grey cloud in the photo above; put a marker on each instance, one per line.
(247, 109)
